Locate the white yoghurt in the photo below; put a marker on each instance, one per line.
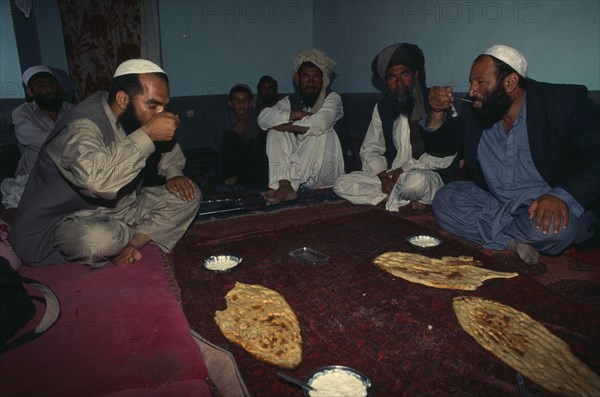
(425, 241)
(337, 383)
(221, 263)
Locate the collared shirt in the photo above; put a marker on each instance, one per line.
(32, 127)
(508, 166)
(101, 170)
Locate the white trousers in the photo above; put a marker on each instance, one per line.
(415, 185)
(313, 161)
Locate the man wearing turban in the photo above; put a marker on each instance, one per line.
(302, 145)
(532, 151)
(85, 200)
(398, 166)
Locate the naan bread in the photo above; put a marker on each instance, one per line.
(527, 346)
(261, 322)
(462, 273)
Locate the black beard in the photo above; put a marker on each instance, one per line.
(51, 103)
(308, 99)
(128, 120)
(403, 101)
(493, 107)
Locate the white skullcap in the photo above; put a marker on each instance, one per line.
(137, 66)
(29, 73)
(510, 56)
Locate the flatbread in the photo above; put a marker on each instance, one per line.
(527, 346)
(462, 273)
(260, 321)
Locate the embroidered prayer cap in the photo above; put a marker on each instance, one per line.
(32, 71)
(510, 56)
(137, 66)
(405, 54)
(320, 59)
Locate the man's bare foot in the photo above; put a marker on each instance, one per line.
(128, 254)
(415, 205)
(285, 192)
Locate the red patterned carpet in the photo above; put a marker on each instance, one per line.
(404, 336)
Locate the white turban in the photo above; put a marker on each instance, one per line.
(324, 63)
(137, 66)
(32, 71)
(509, 56)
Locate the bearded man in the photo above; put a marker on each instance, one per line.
(84, 200)
(532, 151)
(302, 145)
(398, 165)
(33, 121)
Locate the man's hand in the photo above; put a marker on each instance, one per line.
(182, 187)
(240, 126)
(387, 184)
(298, 115)
(290, 127)
(549, 208)
(161, 127)
(440, 99)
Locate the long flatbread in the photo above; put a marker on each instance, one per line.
(260, 321)
(461, 273)
(527, 346)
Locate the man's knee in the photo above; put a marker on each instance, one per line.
(90, 239)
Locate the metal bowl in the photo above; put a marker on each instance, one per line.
(314, 377)
(423, 242)
(222, 263)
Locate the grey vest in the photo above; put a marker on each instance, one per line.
(49, 197)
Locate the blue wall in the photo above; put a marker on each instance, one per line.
(559, 38)
(208, 46)
(10, 71)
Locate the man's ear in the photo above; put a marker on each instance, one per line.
(510, 82)
(296, 79)
(122, 99)
(29, 92)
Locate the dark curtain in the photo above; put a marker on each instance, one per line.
(99, 35)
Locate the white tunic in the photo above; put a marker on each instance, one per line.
(418, 182)
(313, 159)
(32, 127)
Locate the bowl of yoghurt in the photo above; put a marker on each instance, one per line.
(337, 381)
(423, 242)
(222, 263)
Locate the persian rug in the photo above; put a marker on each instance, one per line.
(403, 336)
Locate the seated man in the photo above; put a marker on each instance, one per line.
(532, 150)
(243, 152)
(397, 164)
(33, 122)
(302, 146)
(83, 201)
(267, 92)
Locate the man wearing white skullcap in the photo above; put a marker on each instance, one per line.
(398, 166)
(302, 145)
(33, 121)
(88, 198)
(532, 151)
